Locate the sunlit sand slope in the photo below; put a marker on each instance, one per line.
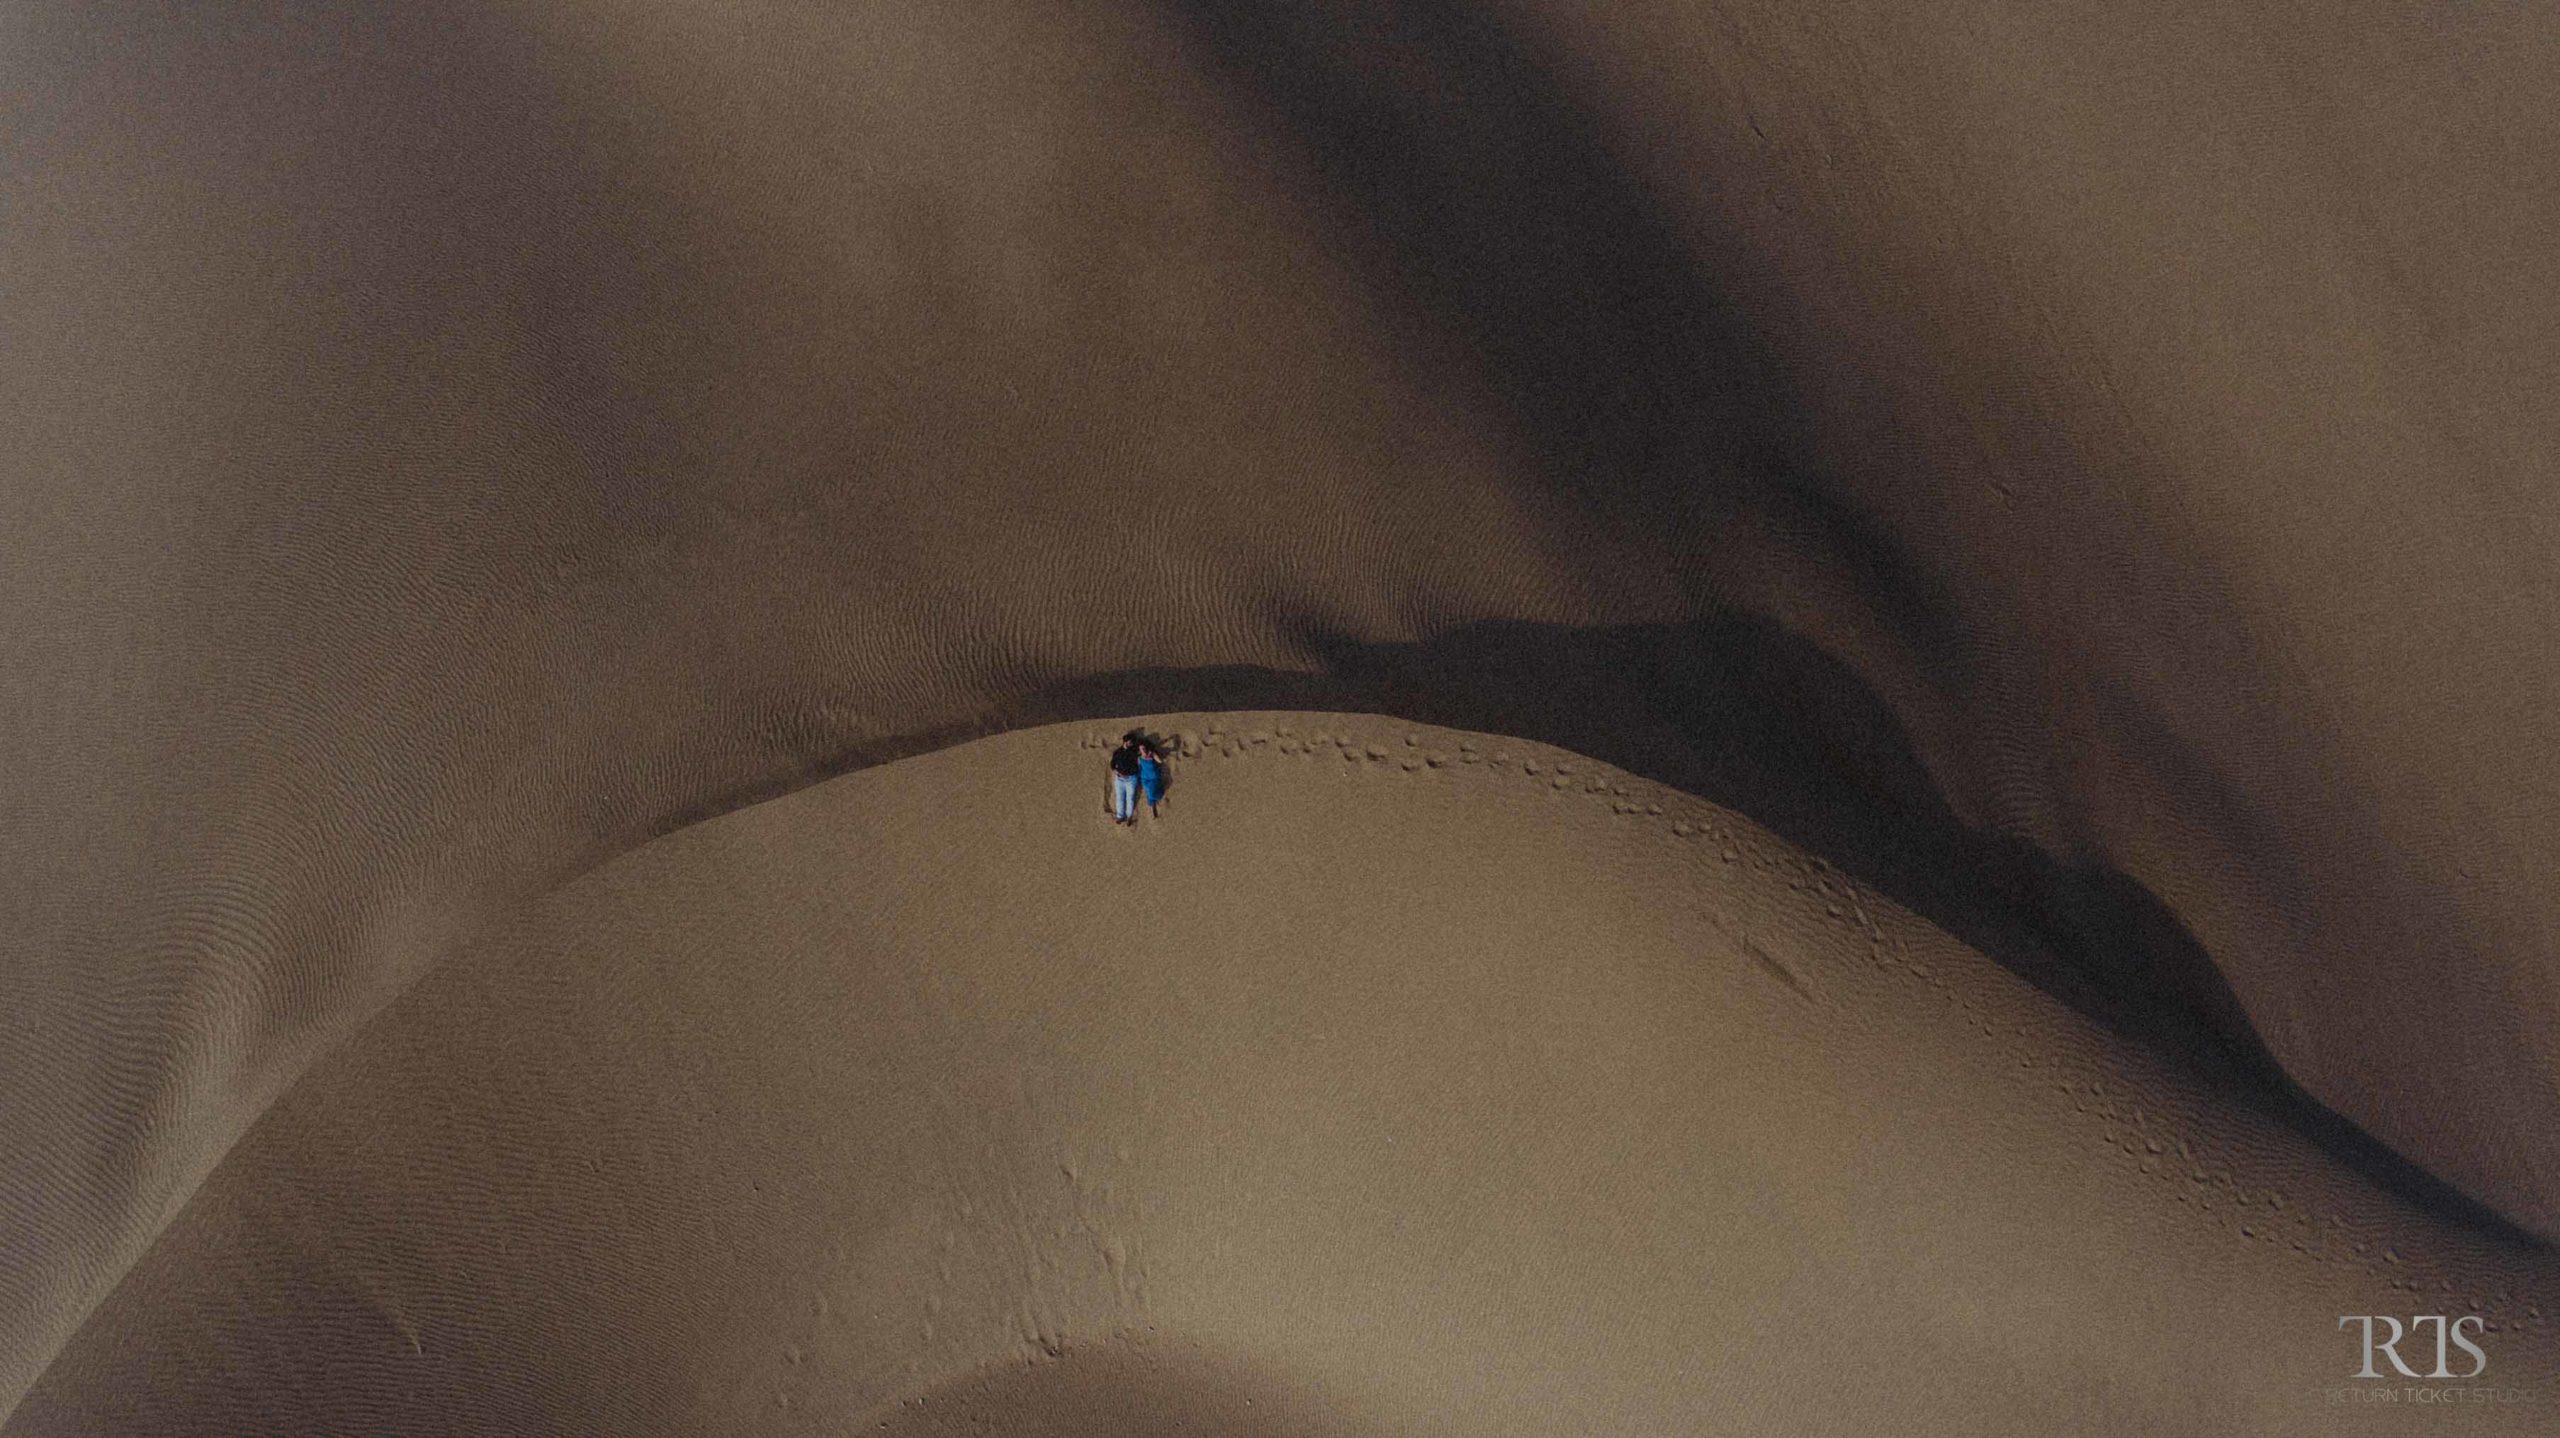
(1397, 1079)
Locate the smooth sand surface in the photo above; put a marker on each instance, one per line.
(1396, 1080)
(2084, 470)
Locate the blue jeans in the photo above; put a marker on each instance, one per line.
(1124, 796)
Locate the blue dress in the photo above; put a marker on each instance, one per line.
(1151, 778)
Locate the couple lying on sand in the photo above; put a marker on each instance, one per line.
(1137, 764)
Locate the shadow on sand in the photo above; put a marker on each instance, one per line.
(1504, 235)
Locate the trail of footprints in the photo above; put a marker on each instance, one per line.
(2206, 1184)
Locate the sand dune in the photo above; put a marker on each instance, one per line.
(875, 1100)
(2080, 473)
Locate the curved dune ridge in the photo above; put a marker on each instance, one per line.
(2082, 472)
(1395, 1079)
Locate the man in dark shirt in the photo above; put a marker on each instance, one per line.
(1124, 782)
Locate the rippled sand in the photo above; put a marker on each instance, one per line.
(2082, 473)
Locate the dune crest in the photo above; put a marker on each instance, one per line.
(1446, 1077)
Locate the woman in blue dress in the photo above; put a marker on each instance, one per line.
(1151, 775)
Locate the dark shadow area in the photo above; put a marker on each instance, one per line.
(1504, 235)
(1498, 225)
(1493, 213)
